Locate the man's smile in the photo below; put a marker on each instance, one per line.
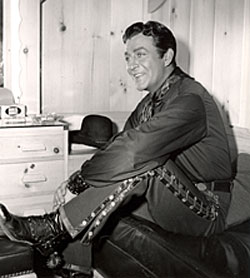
(138, 76)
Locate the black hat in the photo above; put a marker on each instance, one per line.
(96, 130)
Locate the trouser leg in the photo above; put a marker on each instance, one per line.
(86, 214)
(171, 212)
(81, 214)
(77, 255)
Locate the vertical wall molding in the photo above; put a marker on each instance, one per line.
(29, 34)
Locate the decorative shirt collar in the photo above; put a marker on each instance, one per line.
(175, 75)
(156, 98)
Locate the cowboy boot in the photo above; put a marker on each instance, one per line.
(46, 233)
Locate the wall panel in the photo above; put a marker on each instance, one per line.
(100, 56)
(66, 55)
(202, 41)
(228, 35)
(75, 55)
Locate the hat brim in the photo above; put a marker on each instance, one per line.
(78, 137)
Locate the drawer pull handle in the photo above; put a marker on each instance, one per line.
(32, 148)
(56, 150)
(33, 178)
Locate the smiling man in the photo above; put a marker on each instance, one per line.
(147, 65)
(173, 154)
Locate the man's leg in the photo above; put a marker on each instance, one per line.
(79, 212)
(176, 211)
(77, 255)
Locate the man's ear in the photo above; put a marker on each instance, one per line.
(168, 57)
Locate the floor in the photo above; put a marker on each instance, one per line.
(42, 271)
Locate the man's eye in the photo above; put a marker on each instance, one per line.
(140, 55)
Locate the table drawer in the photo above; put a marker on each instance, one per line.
(34, 146)
(30, 179)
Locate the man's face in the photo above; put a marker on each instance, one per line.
(144, 63)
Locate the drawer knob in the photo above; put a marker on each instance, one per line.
(56, 150)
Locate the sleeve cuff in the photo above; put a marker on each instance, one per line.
(76, 183)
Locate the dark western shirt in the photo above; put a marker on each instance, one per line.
(180, 121)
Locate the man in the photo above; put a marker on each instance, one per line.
(173, 151)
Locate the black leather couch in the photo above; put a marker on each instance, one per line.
(15, 258)
(134, 247)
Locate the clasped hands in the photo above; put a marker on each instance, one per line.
(60, 195)
(62, 192)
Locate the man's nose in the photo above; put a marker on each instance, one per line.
(133, 63)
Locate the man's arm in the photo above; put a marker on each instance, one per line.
(150, 144)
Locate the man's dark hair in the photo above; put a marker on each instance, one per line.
(162, 36)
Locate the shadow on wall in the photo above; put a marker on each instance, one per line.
(183, 56)
(230, 132)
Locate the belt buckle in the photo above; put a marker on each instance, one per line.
(201, 186)
(212, 186)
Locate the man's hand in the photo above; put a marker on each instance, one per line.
(59, 196)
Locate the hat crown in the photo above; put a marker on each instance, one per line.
(97, 127)
(96, 130)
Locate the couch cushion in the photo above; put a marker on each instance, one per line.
(239, 210)
(15, 257)
(142, 249)
(230, 251)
